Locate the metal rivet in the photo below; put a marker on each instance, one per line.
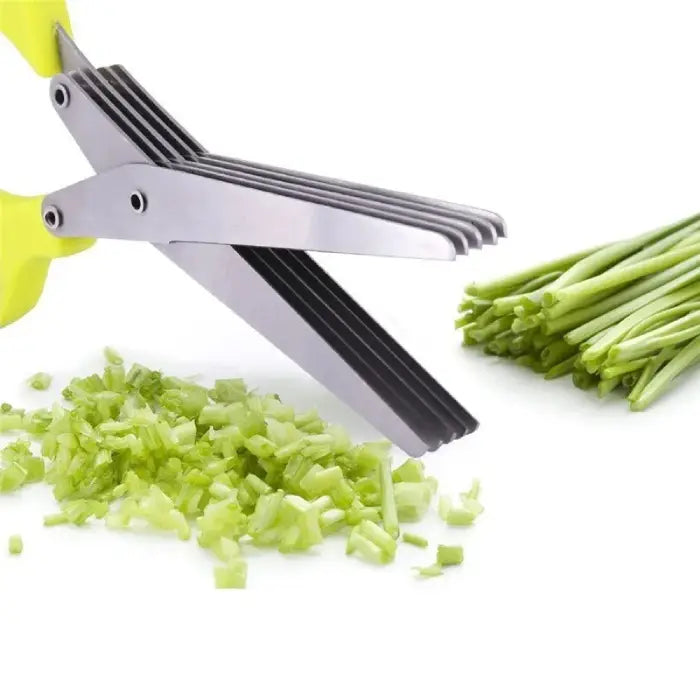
(61, 96)
(53, 218)
(138, 201)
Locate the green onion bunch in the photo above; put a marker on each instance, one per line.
(623, 316)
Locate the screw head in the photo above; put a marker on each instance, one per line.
(52, 218)
(138, 201)
(61, 96)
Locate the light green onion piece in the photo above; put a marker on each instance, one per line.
(415, 540)
(13, 476)
(226, 549)
(473, 493)
(358, 512)
(113, 357)
(412, 499)
(449, 555)
(232, 575)
(463, 514)
(332, 520)
(371, 542)
(10, 421)
(411, 470)
(15, 544)
(39, 381)
(55, 519)
(18, 466)
(429, 571)
(319, 481)
(229, 390)
(390, 516)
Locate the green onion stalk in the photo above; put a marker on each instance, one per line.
(620, 318)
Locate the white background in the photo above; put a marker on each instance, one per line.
(578, 123)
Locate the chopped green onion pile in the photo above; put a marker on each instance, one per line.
(139, 449)
(624, 316)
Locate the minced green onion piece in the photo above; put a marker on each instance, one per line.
(411, 470)
(10, 421)
(449, 555)
(233, 575)
(229, 390)
(412, 500)
(358, 512)
(321, 481)
(13, 476)
(364, 547)
(463, 514)
(55, 519)
(226, 549)
(322, 503)
(371, 542)
(220, 491)
(113, 357)
(429, 571)
(390, 516)
(15, 544)
(332, 520)
(415, 540)
(40, 381)
(474, 491)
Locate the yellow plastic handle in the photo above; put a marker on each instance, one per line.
(26, 250)
(31, 26)
(26, 247)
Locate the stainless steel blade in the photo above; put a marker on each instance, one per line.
(442, 227)
(184, 207)
(490, 225)
(234, 282)
(392, 366)
(140, 101)
(72, 58)
(376, 369)
(128, 123)
(112, 101)
(104, 144)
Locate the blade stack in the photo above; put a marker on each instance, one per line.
(323, 329)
